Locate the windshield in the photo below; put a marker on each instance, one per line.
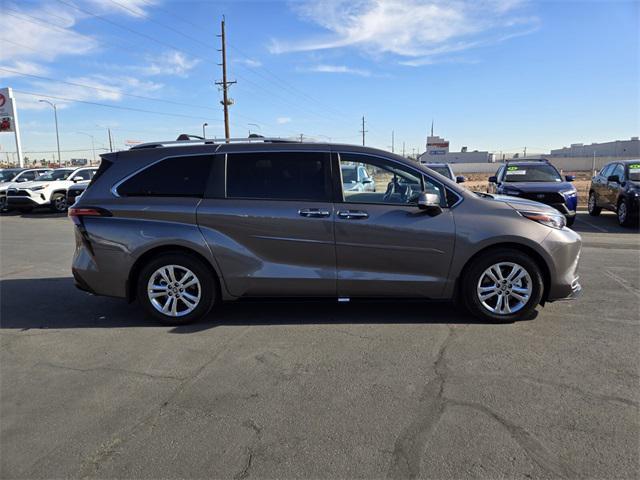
(7, 175)
(532, 173)
(442, 171)
(634, 172)
(54, 175)
(349, 175)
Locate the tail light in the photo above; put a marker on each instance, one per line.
(76, 214)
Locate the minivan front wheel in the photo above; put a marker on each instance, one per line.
(504, 286)
(176, 289)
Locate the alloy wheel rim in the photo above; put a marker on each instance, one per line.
(592, 202)
(60, 203)
(174, 290)
(504, 288)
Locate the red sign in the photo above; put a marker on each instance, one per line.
(3, 100)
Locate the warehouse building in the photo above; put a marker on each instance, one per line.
(438, 152)
(617, 148)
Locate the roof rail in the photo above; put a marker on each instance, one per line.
(212, 141)
(525, 159)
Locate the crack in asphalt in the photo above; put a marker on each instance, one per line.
(109, 369)
(410, 444)
(92, 463)
(533, 447)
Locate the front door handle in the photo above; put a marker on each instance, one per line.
(314, 212)
(353, 214)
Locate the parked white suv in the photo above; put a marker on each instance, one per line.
(14, 177)
(49, 189)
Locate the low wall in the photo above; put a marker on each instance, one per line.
(566, 164)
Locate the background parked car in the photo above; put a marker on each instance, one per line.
(49, 189)
(537, 180)
(444, 169)
(75, 190)
(10, 177)
(617, 188)
(355, 178)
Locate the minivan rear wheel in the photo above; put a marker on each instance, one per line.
(176, 288)
(502, 286)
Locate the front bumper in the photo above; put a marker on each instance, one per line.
(26, 198)
(564, 247)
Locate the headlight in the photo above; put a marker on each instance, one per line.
(548, 219)
(510, 191)
(41, 187)
(569, 193)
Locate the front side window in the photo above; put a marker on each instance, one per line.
(171, 177)
(54, 175)
(386, 183)
(279, 176)
(84, 175)
(532, 173)
(619, 171)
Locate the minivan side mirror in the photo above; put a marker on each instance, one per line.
(430, 203)
(461, 179)
(493, 179)
(613, 178)
(77, 179)
(570, 178)
(367, 180)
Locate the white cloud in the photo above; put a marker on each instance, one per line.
(283, 120)
(249, 62)
(99, 88)
(18, 67)
(340, 69)
(170, 63)
(408, 28)
(135, 8)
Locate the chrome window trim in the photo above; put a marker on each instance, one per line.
(114, 188)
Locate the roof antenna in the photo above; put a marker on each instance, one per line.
(432, 127)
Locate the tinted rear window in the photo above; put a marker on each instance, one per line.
(171, 177)
(279, 176)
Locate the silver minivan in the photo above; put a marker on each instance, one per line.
(181, 226)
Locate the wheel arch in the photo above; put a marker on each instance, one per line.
(527, 250)
(142, 260)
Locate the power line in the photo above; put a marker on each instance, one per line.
(117, 107)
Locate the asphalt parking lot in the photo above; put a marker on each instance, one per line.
(90, 388)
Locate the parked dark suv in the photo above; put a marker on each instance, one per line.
(181, 225)
(537, 180)
(617, 187)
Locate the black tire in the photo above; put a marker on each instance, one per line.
(4, 206)
(476, 269)
(208, 287)
(592, 205)
(626, 217)
(570, 221)
(58, 203)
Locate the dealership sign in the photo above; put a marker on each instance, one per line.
(9, 119)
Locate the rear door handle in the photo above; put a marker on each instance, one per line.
(314, 212)
(353, 214)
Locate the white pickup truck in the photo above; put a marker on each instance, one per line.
(50, 189)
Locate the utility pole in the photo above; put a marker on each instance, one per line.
(225, 85)
(204, 130)
(525, 151)
(301, 137)
(110, 139)
(393, 142)
(363, 131)
(403, 149)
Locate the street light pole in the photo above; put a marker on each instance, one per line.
(204, 125)
(55, 114)
(93, 145)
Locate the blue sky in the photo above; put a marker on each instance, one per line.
(495, 75)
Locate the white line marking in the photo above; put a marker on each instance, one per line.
(622, 282)
(592, 225)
